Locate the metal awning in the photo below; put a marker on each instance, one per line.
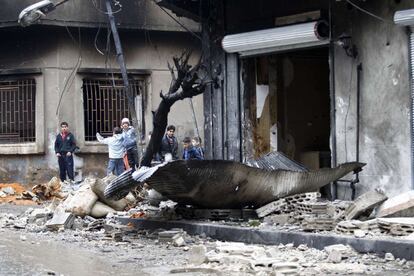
(279, 39)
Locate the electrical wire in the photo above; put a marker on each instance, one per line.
(96, 40)
(72, 74)
(178, 22)
(95, 5)
(365, 11)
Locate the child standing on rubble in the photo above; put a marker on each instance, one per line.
(189, 151)
(116, 151)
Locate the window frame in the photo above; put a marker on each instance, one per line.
(37, 146)
(97, 74)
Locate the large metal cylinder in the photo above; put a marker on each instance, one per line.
(277, 39)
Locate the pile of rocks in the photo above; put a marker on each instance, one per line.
(229, 258)
(363, 217)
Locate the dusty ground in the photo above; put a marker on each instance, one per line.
(33, 251)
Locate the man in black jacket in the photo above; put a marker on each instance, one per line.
(65, 145)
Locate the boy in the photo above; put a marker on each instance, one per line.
(116, 151)
(130, 143)
(196, 141)
(189, 151)
(64, 147)
(169, 143)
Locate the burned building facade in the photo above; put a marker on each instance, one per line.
(324, 82)
(65, 69)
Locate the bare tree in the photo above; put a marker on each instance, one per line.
(187, 81)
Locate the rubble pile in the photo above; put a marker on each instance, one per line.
(15, 193)
(69, 204)
(363, 217)
(231, 258)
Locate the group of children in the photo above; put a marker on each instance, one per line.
(122, 148)
(123, 144)
(191, 147)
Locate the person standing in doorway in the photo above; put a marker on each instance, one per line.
(169, 143)
(65, 145)
(116, 151)
(130, 143)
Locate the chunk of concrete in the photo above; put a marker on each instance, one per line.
(178, 240)
(365, 203)
(61, 220)
(277, 206)
(399, 206)
(100, 210)
(280, 219)
(197, 255)
(8, 190)
(345, 250)
(83, 201)
(335, 256)
(397, 226)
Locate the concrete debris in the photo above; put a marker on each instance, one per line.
(286, 204)
(280, 219)
(397, 226)
(178, 240)
(8, 191)
(399, 206)
(2, 194)
(360, 233)
(346, 227)
(389, 257)
(100, 210)
(167, 236)
(317, 223)
(198, 254)
(61, 220)
(345, 250)
(48, 190)
(83, 200)
(364, 204)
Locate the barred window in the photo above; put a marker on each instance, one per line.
(105, 104)
(17, 111)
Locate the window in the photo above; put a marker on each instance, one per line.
(17, 111)
(105, 104)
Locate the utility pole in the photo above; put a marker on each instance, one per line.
(121, 63)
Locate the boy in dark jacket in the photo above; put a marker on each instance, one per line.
(65, 145)
(169, 143)
(196, 141)
(189, 151)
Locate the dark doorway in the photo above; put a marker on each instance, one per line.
(289, 105)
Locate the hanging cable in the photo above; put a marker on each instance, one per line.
(178, 22)
(367, 12)
(95, 5)
(96, 40)
(72, 74)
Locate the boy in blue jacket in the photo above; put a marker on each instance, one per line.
(189, 151)
(116, 151)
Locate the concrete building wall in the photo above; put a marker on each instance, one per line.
(384, 99)
(56, 54)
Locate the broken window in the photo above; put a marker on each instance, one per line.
(17, 110)
(105, 104)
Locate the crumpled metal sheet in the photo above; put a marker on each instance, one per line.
(229, 184)
(276, 161)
